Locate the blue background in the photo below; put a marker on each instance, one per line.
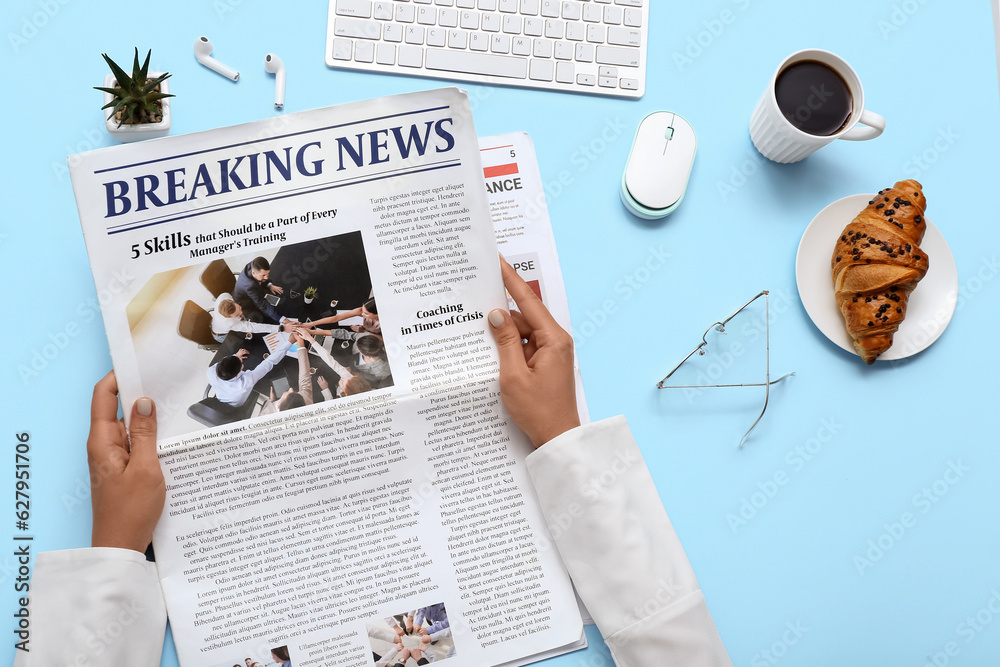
(891, 430)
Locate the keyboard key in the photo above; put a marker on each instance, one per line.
(393, 32)
(530, 7)
(469, 20)
(629, 3)
(491, 22)
(541, 70)
(633, 17)
(411, 56)
(414, 34)
(595, 34)
(554, 29)
(422, 2)
(426, 15)
(624, 36)
(576, 31)
(342, 48)
(500, 44)
(592, 13)
(458, 39)
(383, 11)
(571, 10)
(436, 36)
(358, 28)
(520, 46)
(542, 48)
(512, 25)
(533, 27)
(488, 6)
(405, 13)
(508, 6)
(476, 63)
(565, 72)
(613, 15)
(479, 41)
(385, 54)
(630, 84)
(550, 9)
(584, 53)
(361, 9)
(448, 18)
(445, 3)
(364, 52)
(564, 51)
(611, 55)
(608, 71)
(586, 79)
(466, 4)
(607, 82)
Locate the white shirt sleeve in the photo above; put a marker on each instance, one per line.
(629, 568)
(98, 607)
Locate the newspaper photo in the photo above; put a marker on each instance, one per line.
(304, 299)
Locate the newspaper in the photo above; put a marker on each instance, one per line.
(522, 227)
(389, 499)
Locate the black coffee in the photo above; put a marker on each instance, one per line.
(814, 98)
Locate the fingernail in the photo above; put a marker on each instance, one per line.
(496, 318)
(144, 407)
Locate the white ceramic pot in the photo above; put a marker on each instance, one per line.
(307, 299)
(128, 133)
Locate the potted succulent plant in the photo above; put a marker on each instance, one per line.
(140, 103)
(310, 294)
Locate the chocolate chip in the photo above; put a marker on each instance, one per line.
(838, 259)
(871, 324)
(898, 309)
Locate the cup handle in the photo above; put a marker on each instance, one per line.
(875, 123)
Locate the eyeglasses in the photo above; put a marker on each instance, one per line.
(720, 327)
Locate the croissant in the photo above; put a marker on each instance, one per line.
(877, 262)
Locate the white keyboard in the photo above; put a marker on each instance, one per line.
(590, 46)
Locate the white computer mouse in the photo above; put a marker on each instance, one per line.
(659, 165)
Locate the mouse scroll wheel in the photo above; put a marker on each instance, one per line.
(670, 133)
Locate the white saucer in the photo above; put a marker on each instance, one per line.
(931, 304)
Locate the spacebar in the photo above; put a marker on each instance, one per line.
(476, 63)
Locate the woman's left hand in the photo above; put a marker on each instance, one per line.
(126, 484)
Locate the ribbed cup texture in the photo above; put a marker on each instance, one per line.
(772, 135)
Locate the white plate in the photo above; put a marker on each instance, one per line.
(931, 304)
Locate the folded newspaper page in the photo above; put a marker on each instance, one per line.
(522, 227)
(357, 497)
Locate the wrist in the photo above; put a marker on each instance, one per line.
(111, 541)
(557, 430)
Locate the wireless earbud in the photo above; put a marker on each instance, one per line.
(203, 52)
(273, 65)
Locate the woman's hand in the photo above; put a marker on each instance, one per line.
(536, 378)
(126, 484)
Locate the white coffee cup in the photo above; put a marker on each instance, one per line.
(777, 139)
